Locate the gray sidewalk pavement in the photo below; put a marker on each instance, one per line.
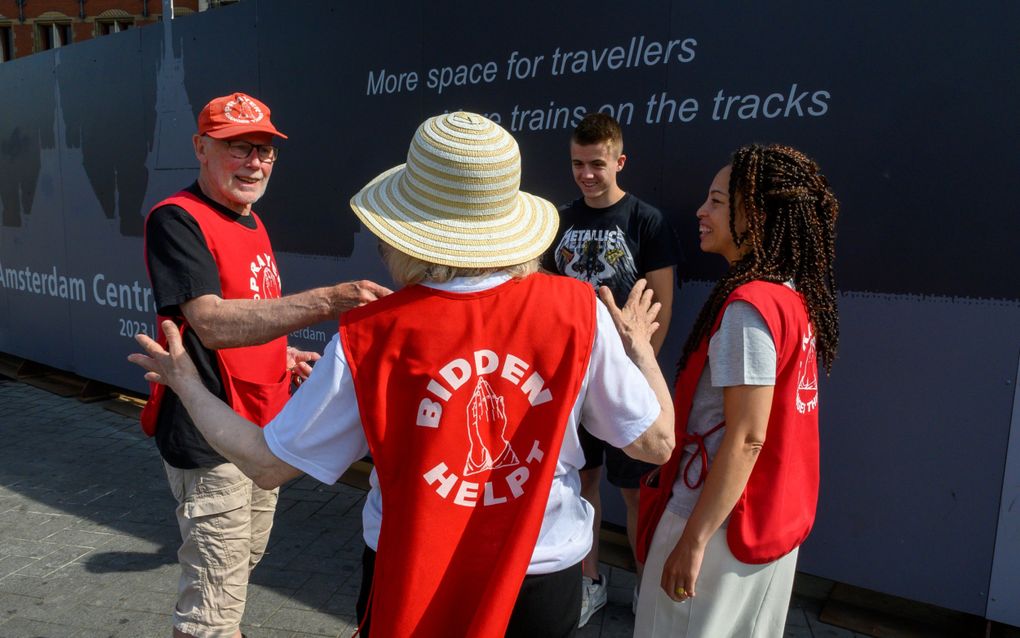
(88, 538)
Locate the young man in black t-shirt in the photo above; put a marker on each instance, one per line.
(611, 238)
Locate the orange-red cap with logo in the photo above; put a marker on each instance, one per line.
(234, 115)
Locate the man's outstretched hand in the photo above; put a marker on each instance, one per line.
(352, 294)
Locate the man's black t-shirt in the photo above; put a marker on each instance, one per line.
(613, 246)
(181, 268)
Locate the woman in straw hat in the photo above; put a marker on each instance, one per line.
(721, 522)
(466, 386)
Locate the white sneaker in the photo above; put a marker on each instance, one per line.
(594, 594)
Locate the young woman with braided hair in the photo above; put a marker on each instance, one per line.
(721, 522)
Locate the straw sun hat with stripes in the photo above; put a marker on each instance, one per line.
(457, 201)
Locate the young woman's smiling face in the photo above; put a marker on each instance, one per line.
(714, 219)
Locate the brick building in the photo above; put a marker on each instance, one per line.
(29, 26)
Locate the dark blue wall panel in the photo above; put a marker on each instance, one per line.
(910, 111)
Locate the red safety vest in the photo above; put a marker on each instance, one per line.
(464, 400)
(254, 377)
(777, 508)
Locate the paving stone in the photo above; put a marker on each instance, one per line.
(263, 602)
(54, 562)
(128, 562)
(320, 565)
(797, 624)
(323, 546)
(341, 605)
(136, 597)
(279, 578)
(351, 586)
(11, 564)
(17, 523)
(146, 530)
(42, 502)
(23, 585)
(27, 548)
(99, 520)
(313, 495)
(134, 624)
(81, 538)
(284, 546)
(252, 631)
(344, 504)
(300, 510)
(70, 615)
(87, 495)
(617, 620)
(26, 628)
(17, 605)
(71, 587)
(311, 622)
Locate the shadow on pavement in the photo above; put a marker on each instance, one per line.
(88, 537)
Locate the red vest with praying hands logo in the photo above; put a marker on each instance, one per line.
(776, 511)
(464, 399)
(254, 378)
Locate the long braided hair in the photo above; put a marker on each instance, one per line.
(791, 236)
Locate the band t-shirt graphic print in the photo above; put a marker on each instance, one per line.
(596, 256)
(613, 246)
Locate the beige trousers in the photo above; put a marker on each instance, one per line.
(225, 521)
(734, 599)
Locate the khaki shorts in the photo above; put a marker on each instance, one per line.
(225, 521)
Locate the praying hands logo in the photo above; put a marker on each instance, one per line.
(265, 278)
(243, 111)
(807, 380)
(486, 425)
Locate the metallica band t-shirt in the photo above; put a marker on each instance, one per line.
(613, 246)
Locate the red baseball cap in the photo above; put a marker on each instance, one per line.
(234, 115)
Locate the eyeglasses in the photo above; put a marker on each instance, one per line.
(240, 149)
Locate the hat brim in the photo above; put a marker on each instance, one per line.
(487, 241)
(237, 130)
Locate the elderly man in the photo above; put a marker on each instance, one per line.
(214, 275)
(467, 387)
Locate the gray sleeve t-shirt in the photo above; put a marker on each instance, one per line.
(741, 352)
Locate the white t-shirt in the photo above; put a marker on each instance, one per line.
(319, 432)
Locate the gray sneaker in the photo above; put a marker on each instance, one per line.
(594, 594)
